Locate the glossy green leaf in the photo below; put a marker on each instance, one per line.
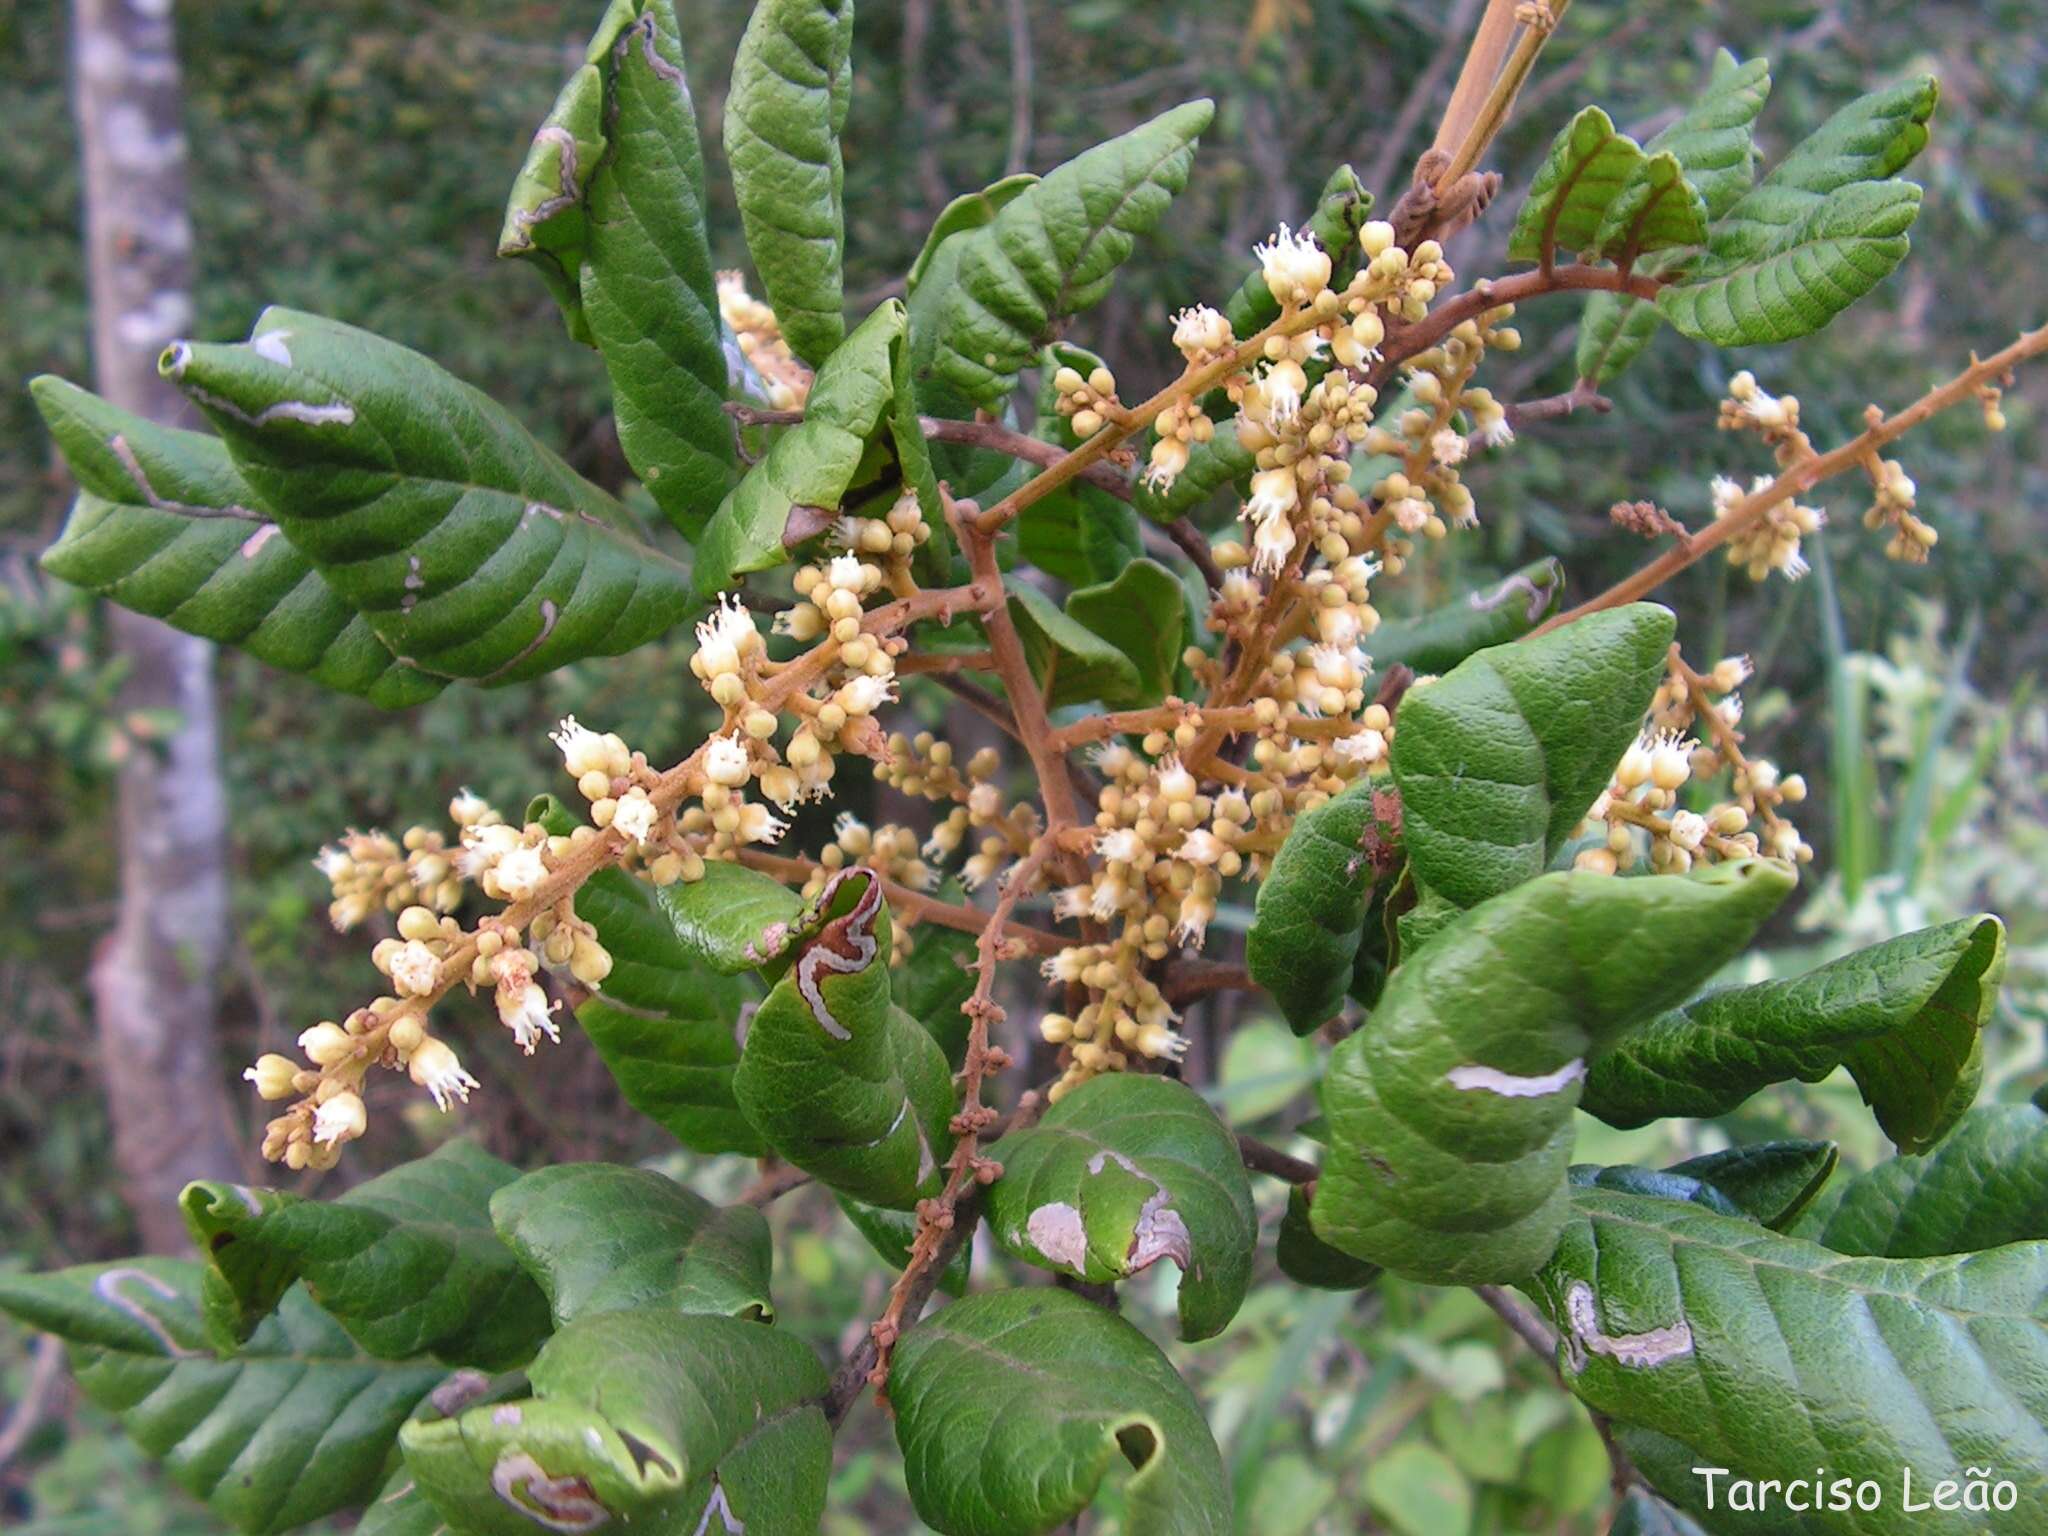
(1309, 919)
(1983, 1185)
(1341, 211)
(935, 980)
(601, 1238)
(1501, 757)
(654, 1420)
(1819, 232)
(165, 525)
(970, 210)
(1712, 143)
(1124, 1171)
(1904, 1017)
(1307, 1260)
(733, 920)
(842, 1083)
(791, 84)
(1053, 251)
(406, 1262)
(1660, 1183)
(1013, 1407)
(1070, 661)
(1221, 462)
(471, 550)
(298, 1424)
(890, 1234)
(1433, 643)
(1771, 1181)
(1587, 165)
(1772, 1357)
(1143, 613)
(810, 468)
(667, 1022)
(1450, 1111)
(1657, 209)
(649, 292)
(1080, 535)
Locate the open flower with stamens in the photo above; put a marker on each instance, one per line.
(435, 1068)
(1296, 268)
(341, 1118)
(522, 1006)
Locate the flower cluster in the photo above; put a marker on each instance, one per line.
(1772, 543)
(759, 335)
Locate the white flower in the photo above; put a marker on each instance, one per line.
(582, 748)
(1366, 746)
(1688, 830)
(1271, 546)
(415, 969)
(1284, 383)
(1496, 433)
(1193, 927)
(758, 826)
(1448, 447)
(521, 872)
(1274, 495)
(1201, 846)
(635, 815)
(525, 1009)
(1200, 329)
(1108, 898)
(1071, 901)
(846, 574)
(1119, 846)
(725, 636)
(864, 694)
(435, 1068)
(1295, 267)
(468, 808)
(725, 760)
(1175, 781)
(1169, 458)
(341, 1118)
(333, 861)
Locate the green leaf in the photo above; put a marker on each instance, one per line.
(1450, 1112)
(733, 920)
(602, 1238)
(1013, 1407)
(1985, 1184)
(661, 1421)
(649, 292)
(1342, 208)
(400, 1509)
(1587, 165)
(890, 1234)
(1713, 145)
(1642, 1513)
(297, 1425)
(1904, 1017)
(165, 525)
(1307, 1260)
(1657, 209)
(406, 1262)
(1053, 251)
(1080, 534)
(1221, 462)
(791, 84)
(1309, 919)
(933, 983)
(1437, 641)
(811, 467)
(1815, 235)
(1126, 1170)
(1771, 1356)
(1143, 613)
(1419, 1491)
(1771, 1181)
(1069, 660)
(546, 222)
(1500, 758)
(472, 550)
(970, 210)
(666, 1025)
(842, 1083)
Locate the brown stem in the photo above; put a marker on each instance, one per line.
(773, 1184)
(1805, 475)
(926, 909)
(1500, 100)
(1261, 1158)
(1193, 543)
(1190, 977)
(1535, 1332)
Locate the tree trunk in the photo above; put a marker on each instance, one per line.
(153, 981)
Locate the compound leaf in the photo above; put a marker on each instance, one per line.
(649, 293)
(1500, 758)
(166, 525)
(472, 550)
(791, 83)
(663, 1421)
(1053, 251)
(1771, 1356)
(1905, 1017)
(1124, 1171)
(1983, 1185)
(1450, 1112)
(599, 1237)
(811, 467)
(1012, 1408)
(298, 1424)
(840, 1081)
(1587, 166)
(407, 1263)
(1309, 920)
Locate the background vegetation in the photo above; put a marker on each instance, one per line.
(352, 158)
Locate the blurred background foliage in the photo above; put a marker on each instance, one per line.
(351, 158)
